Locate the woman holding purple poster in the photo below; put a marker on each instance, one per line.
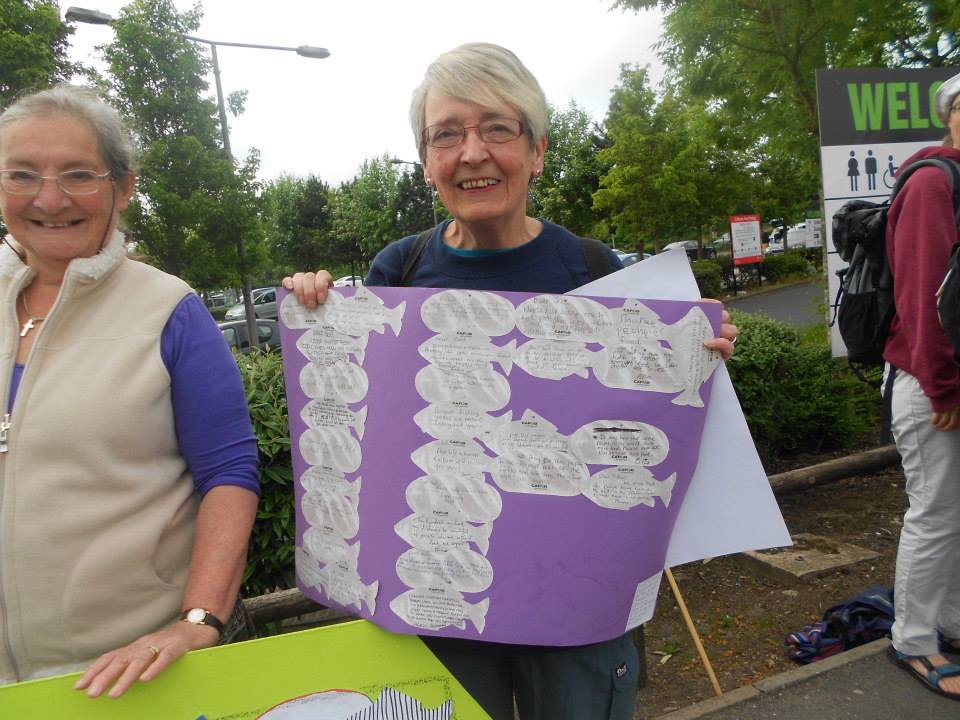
(480, 122)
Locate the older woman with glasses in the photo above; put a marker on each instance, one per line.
(128, 466)
(923, 375)
(479, 119)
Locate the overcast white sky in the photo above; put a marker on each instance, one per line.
(326, 116)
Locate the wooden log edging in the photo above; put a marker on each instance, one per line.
(832, 470)
(286, 604)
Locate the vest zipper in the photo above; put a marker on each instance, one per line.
(5, 425)
(4, 431)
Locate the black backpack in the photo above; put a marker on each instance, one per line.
(864, 305)
(948, 297)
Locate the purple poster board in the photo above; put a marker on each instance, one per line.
(497, 466)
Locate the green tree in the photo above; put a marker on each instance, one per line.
(571, 173)
(412, 203)
(193, 203)
(364, 212)
(33, 46)
(297, 216)
(752, 62)
(674, 171)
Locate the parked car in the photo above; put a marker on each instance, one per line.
(235, 333)
(690, 247)
(629, 259)
(264, 305)
(348, 281)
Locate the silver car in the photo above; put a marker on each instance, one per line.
(264, 305)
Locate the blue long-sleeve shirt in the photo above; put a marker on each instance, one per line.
(210, 412)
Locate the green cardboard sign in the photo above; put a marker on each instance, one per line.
(244, 680)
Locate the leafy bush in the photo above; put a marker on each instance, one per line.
(219, 313)
(786, 265)
(707, 274)
(270, 557)
(794, 395)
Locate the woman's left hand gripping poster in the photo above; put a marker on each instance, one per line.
(497, 466)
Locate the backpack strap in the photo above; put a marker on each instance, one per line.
(597, 257)
(413, 257)
(950, 167)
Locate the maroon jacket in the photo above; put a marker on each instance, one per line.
(920, 233)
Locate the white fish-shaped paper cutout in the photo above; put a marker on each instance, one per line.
(619, 442)
(437, 608)
(485, 387)
(429, 532)
(363, 312)
(466, 352)
(330, 510)
(563, 317)
(531, 433)
(345, 381)
(466, 497)
(475, 311)
(334, 447)
(298, 317)
(343, 585)
(333, 704)
(694, 362)
(540, 473)
(651, 368)
(634, 323)
(325, 479)
(463, 570)
(451, 457)
(330, 548)
(555, 359)
(330, 412)
(626, 486)
(322, 345)
(394, 705)
(306, 567)
(457, 420)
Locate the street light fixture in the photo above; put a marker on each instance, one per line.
(433, 206)
(95, 17)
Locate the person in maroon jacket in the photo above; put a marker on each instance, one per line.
(921, 231)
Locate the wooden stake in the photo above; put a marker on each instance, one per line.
(693, 633)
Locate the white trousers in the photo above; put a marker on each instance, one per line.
(927, 585)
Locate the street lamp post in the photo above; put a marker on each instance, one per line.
(433, 205)
(94, 17)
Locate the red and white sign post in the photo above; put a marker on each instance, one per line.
(745, 242)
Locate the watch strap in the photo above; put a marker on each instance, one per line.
(194, 616)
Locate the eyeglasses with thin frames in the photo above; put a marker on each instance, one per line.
(497, 130)
(71, 182)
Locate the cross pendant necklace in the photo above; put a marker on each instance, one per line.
(31, 321)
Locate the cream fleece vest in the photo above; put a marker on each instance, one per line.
(97, 508)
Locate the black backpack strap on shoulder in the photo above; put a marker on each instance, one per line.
(597, 257)
(413, 257)
(950, 167)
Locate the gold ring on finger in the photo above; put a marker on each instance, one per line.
(154, 649)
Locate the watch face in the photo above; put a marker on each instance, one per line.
(196, 615)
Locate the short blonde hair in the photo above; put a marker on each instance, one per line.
(486, 74)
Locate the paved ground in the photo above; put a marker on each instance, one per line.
(860, 684)
(798, 304)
